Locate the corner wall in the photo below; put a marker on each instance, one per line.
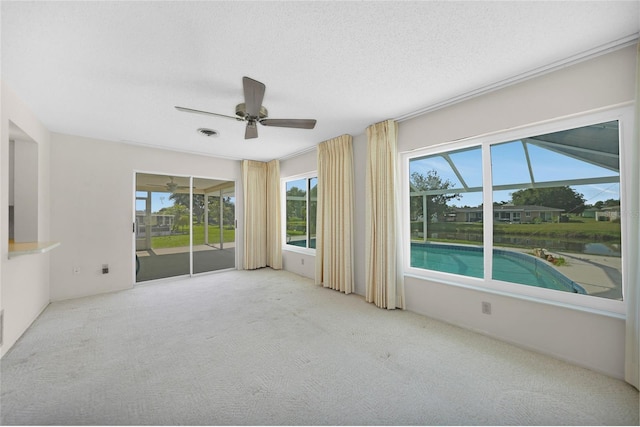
(24, 280)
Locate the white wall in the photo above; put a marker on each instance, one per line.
(92, 190)
(24, 281)
(587, 339)
(601, 82)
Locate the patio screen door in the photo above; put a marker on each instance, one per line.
(183, 225)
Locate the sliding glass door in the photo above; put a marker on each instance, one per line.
(183, 225)
(214, 228)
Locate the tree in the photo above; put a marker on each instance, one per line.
(228, 210)
(436, 203)
(180, 215)
(296, 203)
(565, 198)
(198, 204)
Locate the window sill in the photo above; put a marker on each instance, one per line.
(300, 250)
(30, 248)
(531, 298)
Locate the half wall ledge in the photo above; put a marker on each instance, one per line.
(30, 248)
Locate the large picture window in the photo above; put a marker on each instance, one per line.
(543, 209)
(301, 197)
(567, 185)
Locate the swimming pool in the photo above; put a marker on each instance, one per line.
(508, 266)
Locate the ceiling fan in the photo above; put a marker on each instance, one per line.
(252, 111)
(170, 186)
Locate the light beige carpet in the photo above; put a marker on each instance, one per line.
(269, 347)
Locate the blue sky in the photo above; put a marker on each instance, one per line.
(299, 183)
(159, 200)
(509, 166)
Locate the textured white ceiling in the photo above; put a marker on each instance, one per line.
(115, 70)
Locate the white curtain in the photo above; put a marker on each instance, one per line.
(261, 195)
(334, 220)
(632, 294)
(274, 236)
(384, 279)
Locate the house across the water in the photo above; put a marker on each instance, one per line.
(508, 213)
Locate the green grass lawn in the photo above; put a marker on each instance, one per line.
(598, 230)
(583, 228)
(178, 240)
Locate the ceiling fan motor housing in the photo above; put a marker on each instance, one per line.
(241, 111)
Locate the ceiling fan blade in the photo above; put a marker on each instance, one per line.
(206, 113)
(251, 131)
(290, 123)
(253, 96)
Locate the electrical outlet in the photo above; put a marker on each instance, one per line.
(105, 268)
(486, 307)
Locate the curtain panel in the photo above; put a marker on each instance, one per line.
(383, 262)
(334, 220)
(274, 225)
(632, 294)
(261, 195)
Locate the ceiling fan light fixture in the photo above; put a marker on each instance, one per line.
(210, 133)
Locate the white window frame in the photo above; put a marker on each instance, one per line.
(283, 209)
(604, 306)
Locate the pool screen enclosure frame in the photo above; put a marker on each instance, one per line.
(614, 161)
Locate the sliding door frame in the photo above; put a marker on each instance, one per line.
(191, 178)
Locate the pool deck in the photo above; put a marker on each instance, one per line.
(599, 275)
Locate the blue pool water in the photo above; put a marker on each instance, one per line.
(508, 266)
(303, 243)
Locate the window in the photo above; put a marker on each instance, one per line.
(566, 172)
(301, 197)
(446, 212)
(555, 195)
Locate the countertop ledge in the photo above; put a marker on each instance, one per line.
(30, 248)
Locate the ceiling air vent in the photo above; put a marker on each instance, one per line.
(208, 132)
